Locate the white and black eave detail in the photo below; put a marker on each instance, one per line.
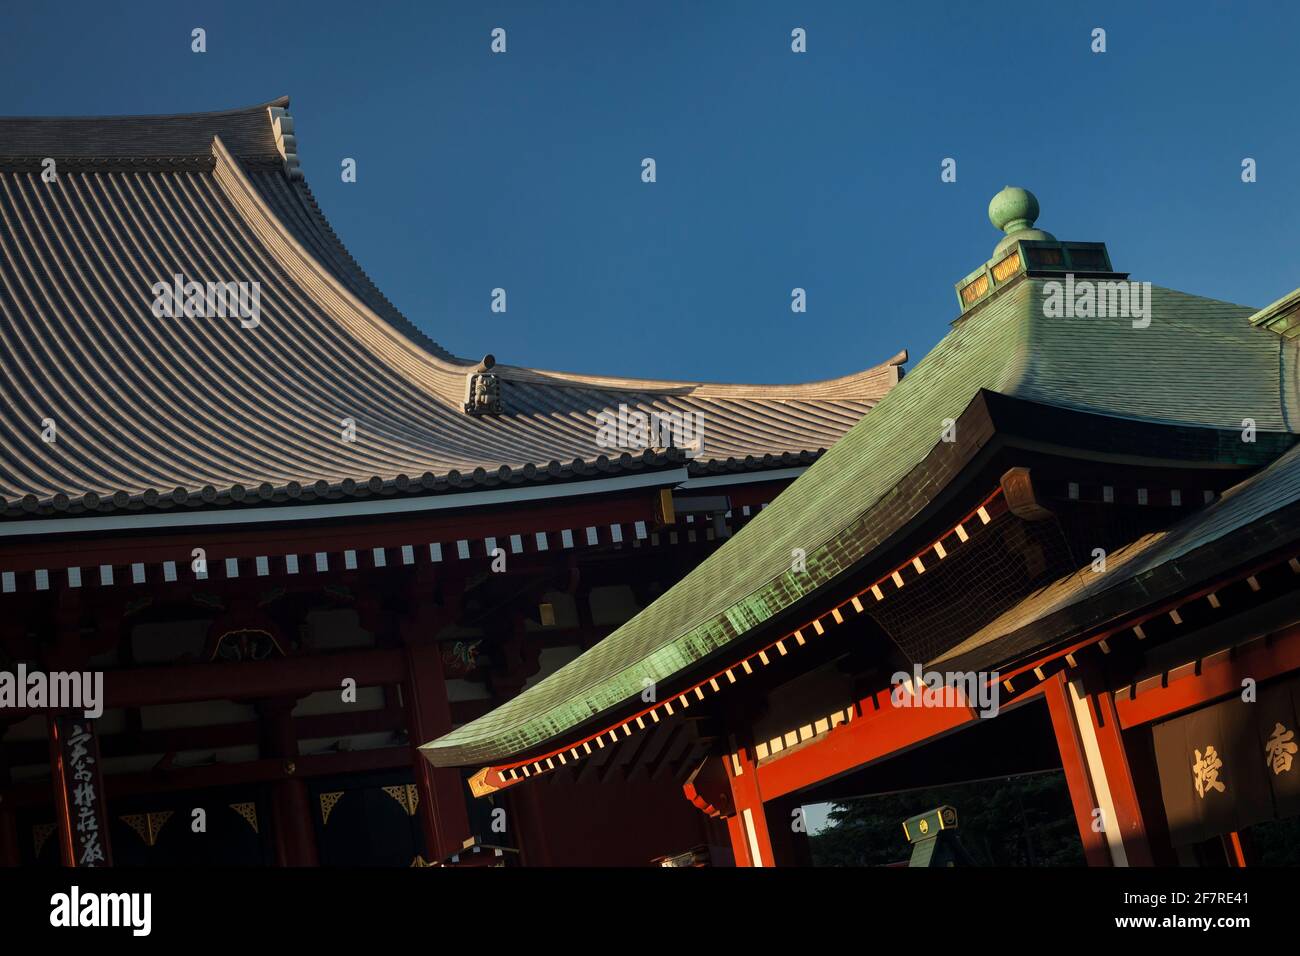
(218, 566)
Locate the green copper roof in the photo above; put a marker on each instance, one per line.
(1199, 363)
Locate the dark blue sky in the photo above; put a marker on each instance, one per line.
(775, 170)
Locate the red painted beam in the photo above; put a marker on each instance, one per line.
(1219, 676)
(267, 770)
(216, 736)
(883, 730)
(281, 677)
(752, 494)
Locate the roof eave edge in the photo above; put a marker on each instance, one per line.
(350, 509)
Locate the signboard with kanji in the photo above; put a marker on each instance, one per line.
(79, 793)
(1230, 765)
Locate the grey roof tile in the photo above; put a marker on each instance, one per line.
(155, 412)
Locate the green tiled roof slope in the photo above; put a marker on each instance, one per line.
(1200, 363)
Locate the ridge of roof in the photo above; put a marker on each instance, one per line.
(279, 101)
(865, 383)
(247, 131)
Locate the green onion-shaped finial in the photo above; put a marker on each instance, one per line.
(1014, 211)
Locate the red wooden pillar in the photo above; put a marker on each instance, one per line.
(750, 840)
(1119, 779)
(443, 815)
(1075, 765)
(412, 616)
(1096, 768)
(291, 811)
(295, 833)
(1233, 849)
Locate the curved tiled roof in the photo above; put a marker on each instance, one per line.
(157, 412)
(1199, 364)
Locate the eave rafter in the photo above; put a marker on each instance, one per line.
(1027, 677)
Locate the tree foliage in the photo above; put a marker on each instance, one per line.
(1009, 821)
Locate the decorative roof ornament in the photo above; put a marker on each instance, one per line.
(1014, 211)
(1283, 316)
(1026, 251)
(483, 389)
(285, 140)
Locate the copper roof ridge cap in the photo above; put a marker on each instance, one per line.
(737, 390)
(280, 101)
(251, 206)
